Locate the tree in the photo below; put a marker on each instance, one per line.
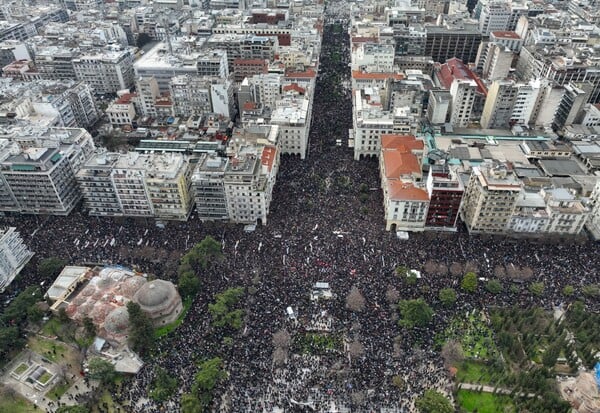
(355, 301)
(392, 295)
(17, 312)
(204, 253)
(592, 290)
(51, 267)
(89, 326)
(188, 284)
(447, 296)
(536, 288)
(9, 340)
(282, 339)
(401, 271)
(414, 313)
(551, 354)
(141, 331)
(493, 286)
(469, 282)
(434, 402)
(222, 310)
(452, 353)
(164, 385)
(102, 370)
(399, 382)
(568, 291)
(190, 404)
(210, 373)
(356, 349)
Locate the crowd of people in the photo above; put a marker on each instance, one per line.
(325, 225)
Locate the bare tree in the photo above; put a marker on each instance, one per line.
(355, 301)
(456, 269)
(452, 353)
(358, 398)
(471, 266)
(526, 273)
(282, 339)
(430, 267)
(512, 271)
(280, 356)
(499, 271)
(397, 345)
(356, 349)
(442, 269)
(392, 295)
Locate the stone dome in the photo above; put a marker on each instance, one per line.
(117, 321)
(131, 285)
(155, 294)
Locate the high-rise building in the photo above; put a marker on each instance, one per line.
(443, 43)
(445, 190)
(14, 255)
(37, 173)
(489, 199)
(107, 72)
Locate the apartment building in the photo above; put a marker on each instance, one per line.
(40, 178)
(147, 92)
(445, 190)
(443, 43)
(489, 199)
(373, 57)
(370, 122)
(466, 89)
(191, 95)
(209, 187)
(106, 72)
(14, 255)
(293, 116)
(137, 185)
(510, 103)
(121, 112)
(495, 16)
(405, 198)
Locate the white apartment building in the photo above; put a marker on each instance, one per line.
(495, 16)
(373, 57)
(464, 93)
(121, 112)
(593, 223)
(14, 255)
(147, 92)
(525, 103)
(591, 115)
(208, 183)
(489, 199)
(248, 181)
(105, 72)
(266, 88)
(509, 103)
(370, 121)
(191, 95)
(137, 185)
(39, 178)
(497, 63)
(567, 212)
(438, 106)
(293, 116)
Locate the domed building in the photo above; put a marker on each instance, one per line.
(116, 324)
(160, 300)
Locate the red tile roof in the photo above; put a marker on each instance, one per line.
(268, 156)
(455, 69)
(294, 86)
(249, 106)
(306, 74)
(401, 191)
(125, 98)
(408, 142)
(506, 34)
(399, 163)
(356, 74)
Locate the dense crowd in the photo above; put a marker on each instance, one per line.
(321, 228)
